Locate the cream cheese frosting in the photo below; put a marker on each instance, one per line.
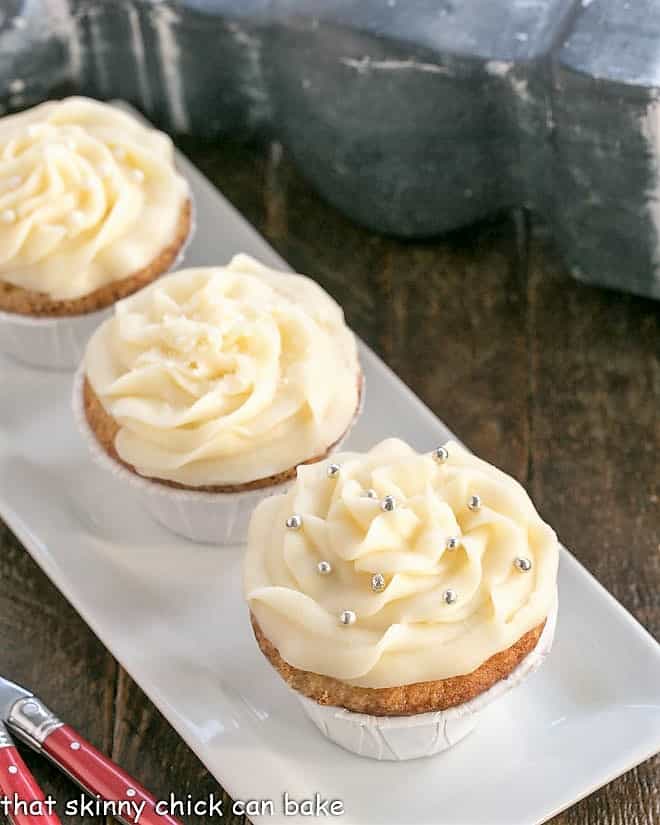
(88, 195)
(225, 375)
(432, 612)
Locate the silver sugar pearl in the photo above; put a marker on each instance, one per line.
(474, 503)
(388, 504)
(324, 568)
(294, 522)
(333, 470)
(347, 617)
(452, 543)
(449, 596)
(370, 493)
(440, 454)
(525, 565)
(378, 582)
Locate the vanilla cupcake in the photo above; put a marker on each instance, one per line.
(206, 390)
(91, 209)
(397, 594)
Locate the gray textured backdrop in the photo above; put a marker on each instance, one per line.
(412, 116)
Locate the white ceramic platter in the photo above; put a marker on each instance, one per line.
(172, 614)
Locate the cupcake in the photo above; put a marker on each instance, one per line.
(399, 593)
(208, 388)
(91, 210)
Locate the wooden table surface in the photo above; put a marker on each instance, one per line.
(555, 382)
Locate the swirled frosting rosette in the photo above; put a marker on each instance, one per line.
(92, 209)
(88, 196)
(398, 594)
(399, 568)
(221, 380)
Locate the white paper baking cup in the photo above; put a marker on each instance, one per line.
(59, 343)
(209, 518)
(397, 738)
(51, 343)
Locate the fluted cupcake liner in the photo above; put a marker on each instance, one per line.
(211, 518)
(58, 343)
(397, 738)
(208, 518)
(50, 343)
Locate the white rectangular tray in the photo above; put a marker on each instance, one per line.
(172, 614)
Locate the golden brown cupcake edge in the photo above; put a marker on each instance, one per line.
(105, 429)
(406, 700)
(21, 301)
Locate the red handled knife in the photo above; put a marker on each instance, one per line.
(27, 718)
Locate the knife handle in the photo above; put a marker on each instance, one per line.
(98, 775)
(17, 785)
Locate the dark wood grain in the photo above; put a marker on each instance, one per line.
(47, 647)
(557, 383)
(595, 442)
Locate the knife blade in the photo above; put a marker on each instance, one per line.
(26, 803)
(31, 721)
